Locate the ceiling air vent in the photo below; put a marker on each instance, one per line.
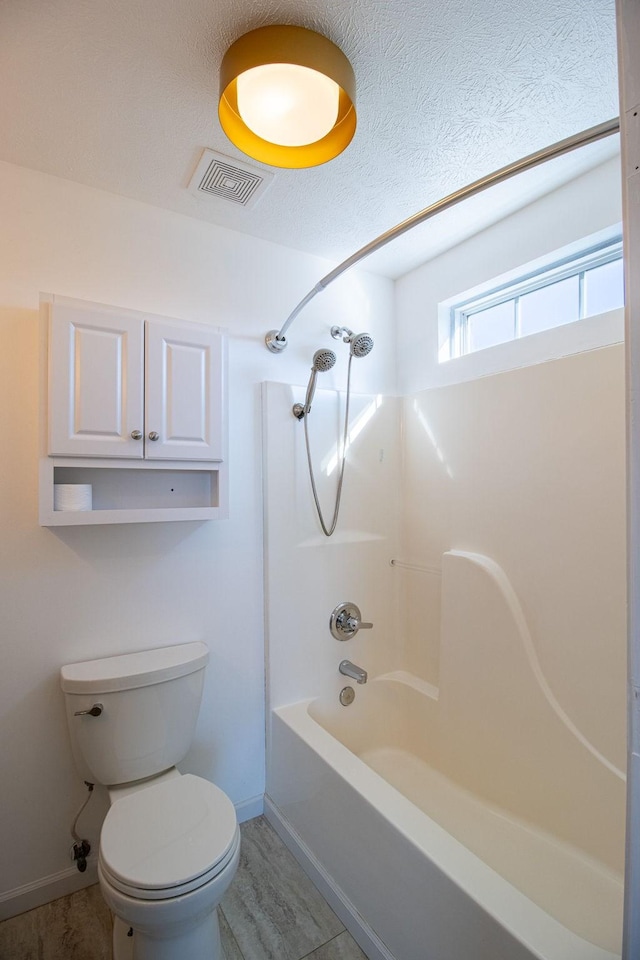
(231, 180)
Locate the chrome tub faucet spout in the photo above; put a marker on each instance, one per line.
(349, 669)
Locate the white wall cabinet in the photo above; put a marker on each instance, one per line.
(127, 390)
(121, 385)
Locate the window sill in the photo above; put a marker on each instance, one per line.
(591, 333)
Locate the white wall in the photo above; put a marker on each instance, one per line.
(73, 594)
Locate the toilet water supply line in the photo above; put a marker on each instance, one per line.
(81, 848)
(276, 340)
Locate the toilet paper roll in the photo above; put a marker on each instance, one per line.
(72, 496)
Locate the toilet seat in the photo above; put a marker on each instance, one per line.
(168, 893)
(168, 838)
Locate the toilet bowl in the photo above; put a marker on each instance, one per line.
(168, 852)
(170, 843)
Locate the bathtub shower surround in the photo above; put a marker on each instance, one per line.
(419, 808)
(470, 800)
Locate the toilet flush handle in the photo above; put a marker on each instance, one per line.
(95, 711)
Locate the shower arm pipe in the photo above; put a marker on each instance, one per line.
(276, 340)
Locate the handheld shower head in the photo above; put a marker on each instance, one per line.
(322, 360)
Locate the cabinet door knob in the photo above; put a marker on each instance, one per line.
(136, 434)
(154, 435)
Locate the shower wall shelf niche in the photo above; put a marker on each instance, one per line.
(136, 406)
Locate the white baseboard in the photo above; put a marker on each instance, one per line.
(42, 891)
(248, 809)
(359, 929)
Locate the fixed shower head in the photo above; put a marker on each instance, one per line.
(360, 344)
(322, 361)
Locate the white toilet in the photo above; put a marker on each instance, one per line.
(170, 843)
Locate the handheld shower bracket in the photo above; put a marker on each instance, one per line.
(275, 343)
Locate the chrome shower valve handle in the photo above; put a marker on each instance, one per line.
(346, 620)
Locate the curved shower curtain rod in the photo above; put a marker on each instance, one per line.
(276, 340)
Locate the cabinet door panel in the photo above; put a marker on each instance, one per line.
(95, 382)
(184, 392)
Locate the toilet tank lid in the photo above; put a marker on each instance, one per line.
(131, 670)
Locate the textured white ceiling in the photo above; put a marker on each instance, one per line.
(122, 95)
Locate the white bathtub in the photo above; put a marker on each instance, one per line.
(429, 868)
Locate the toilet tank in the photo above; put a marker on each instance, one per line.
(150, 703)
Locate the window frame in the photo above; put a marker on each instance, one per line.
(575, 264)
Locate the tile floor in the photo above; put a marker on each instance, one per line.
(272, 911)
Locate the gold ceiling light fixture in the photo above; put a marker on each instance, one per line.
(287, 97)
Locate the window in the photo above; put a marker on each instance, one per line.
(570, 288)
